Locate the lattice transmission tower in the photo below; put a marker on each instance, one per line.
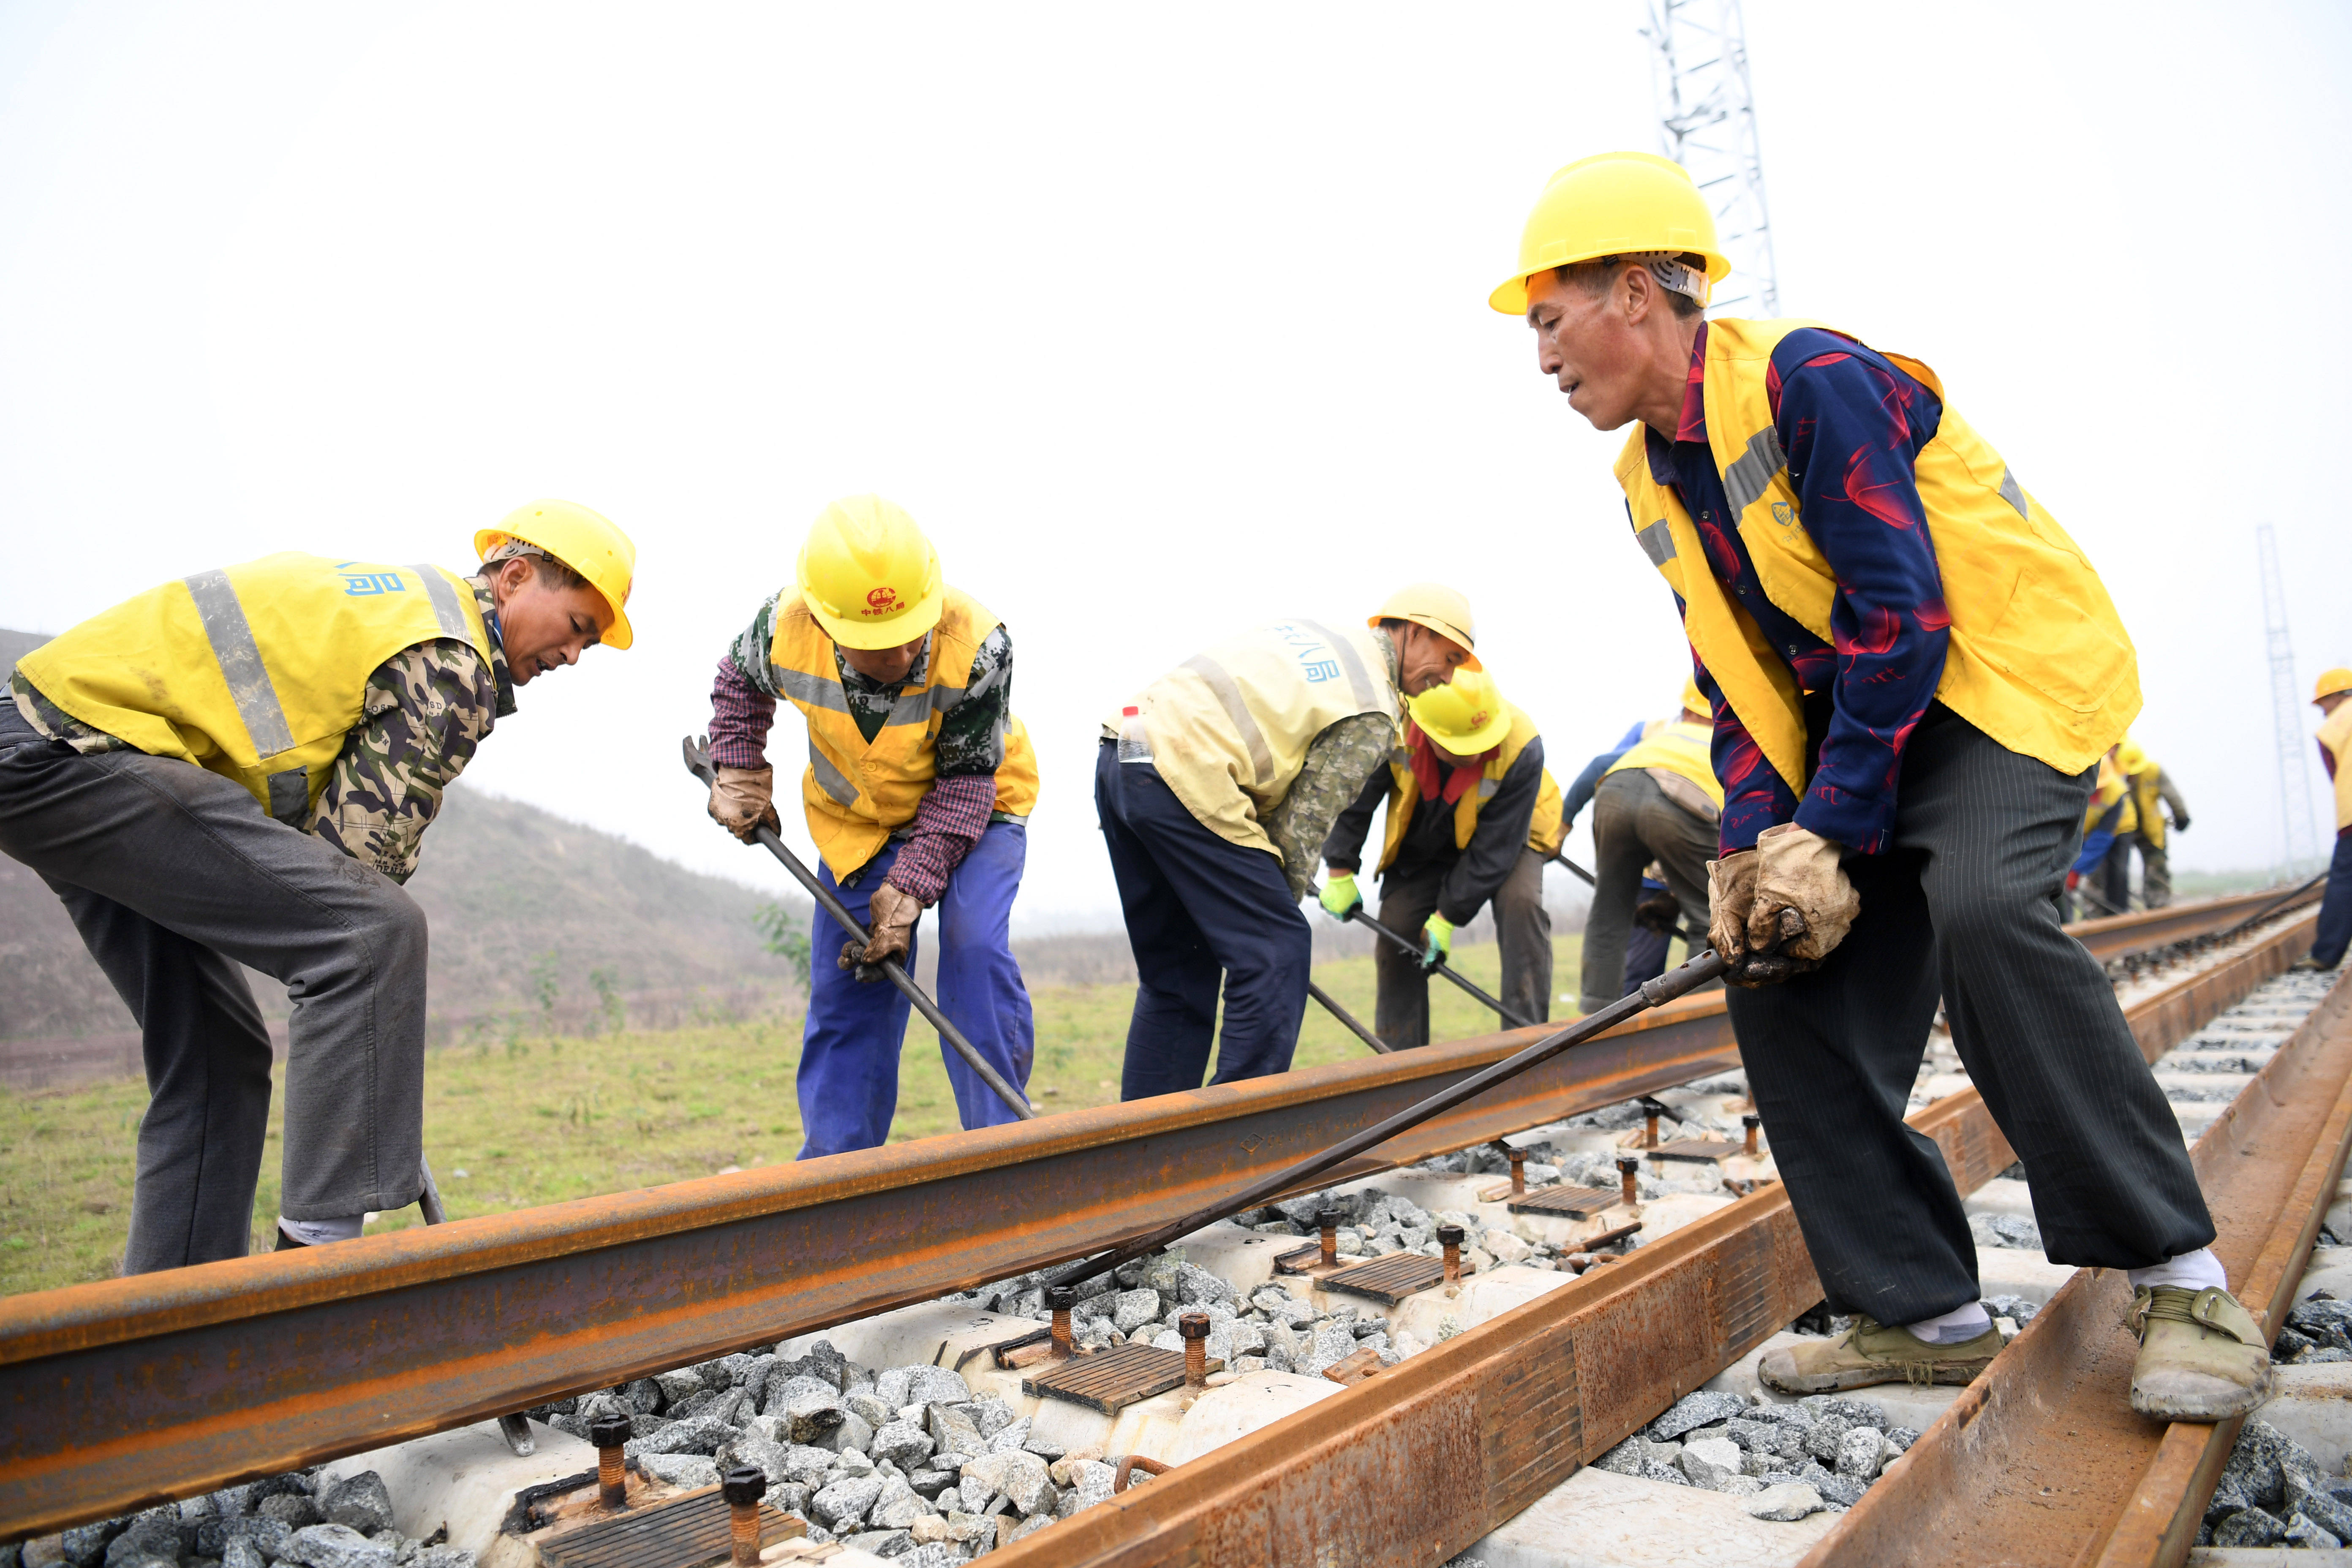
(2295, 820)
(1706, 122)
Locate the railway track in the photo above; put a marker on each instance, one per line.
(128, 1392)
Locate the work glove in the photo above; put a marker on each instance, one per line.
(1339, 897)
(1730, 894)
(891, 916)
(2179, 825)
(743, 799)
(1798, 880)
(1660, 912)
(1439, 934)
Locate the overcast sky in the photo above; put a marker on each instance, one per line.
(1162, 321)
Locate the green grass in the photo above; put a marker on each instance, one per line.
(541, 1120)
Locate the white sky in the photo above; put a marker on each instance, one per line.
(1162, 321)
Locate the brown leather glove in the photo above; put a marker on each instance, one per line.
(743, 799)
(1799, 875)
(1730, 894)
(891, 917)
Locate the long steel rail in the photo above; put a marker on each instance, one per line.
(119, 1393)
(1411, 1466)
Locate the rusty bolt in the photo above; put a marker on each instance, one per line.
(1652, 1108)
(1627, 1165)
(1751, 1122)
(743, 1488)
(1518, 1173)
(1449, 1236)
(608, 1433)
(1194, 1327)
(1329, 1219)
(1060, 1298)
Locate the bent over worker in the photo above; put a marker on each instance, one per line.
(1912, 672)
(1658, 802)
(1472, 817)
(1216, 787)
(918, 792)
(2334, 700)
(236, 768)
(2153, 794)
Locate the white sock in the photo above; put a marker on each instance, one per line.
(2197, 1270)
(1962, 1322)
(316, 1232)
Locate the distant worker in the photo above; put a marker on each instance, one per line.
(1217, 788)
(1658, 802)
(2334, 700)
(2100, 878)
(235, 769)
(1472, 818)
(2153, 794)
(917, 792)
(1912, 672)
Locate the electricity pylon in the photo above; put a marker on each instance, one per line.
(1706, 122)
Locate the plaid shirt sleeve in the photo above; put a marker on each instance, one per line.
(741, 716)
(948, 822)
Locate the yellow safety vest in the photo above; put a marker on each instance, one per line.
(255, 672)
(1685, 751)
(1230, 726)
(2336, 734)
(2146, 805)
(1404, 794)
(2112, 786)
(855, 794)
(2038, 658)
(1544, 835)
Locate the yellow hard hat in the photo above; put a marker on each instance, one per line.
(868, 576)
(1438, 608)
(1466, 715)
(2133, 758)
(1693, 698)
(583, 540)
(1613, 204)
(2335, 680)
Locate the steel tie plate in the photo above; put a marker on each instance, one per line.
(1111, 1380)
(1582, 1203)
(1700, 1149)
(1390, 1278)
(683, 1532)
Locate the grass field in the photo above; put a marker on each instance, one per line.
(510, 1125)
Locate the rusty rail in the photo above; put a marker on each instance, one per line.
(1442, 1448)
(2044, 1447)
(123, 1393)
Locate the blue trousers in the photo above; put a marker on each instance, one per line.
(849, 1050)
(2335, 933)
(1198, 907)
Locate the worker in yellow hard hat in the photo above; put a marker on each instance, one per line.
(2333, 698)
(1472, 817)
(1216, 786)
(1912, 672)
(2154, 793)
(2100, 880)
(918, 792)
(235, 769)
(1656, 803)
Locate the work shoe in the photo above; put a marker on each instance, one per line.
(2201, 1357)
(1871, 1351)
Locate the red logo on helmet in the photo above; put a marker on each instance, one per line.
(882, 598)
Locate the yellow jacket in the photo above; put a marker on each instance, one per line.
(1680, 755)
(255, 672)
(2336, 735)
(2112, 786)
(2037, 659)
(855, 793)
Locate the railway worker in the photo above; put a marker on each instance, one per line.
(236, 768)
(2334, 700)
(1472, 819)
(1657, 802)
(918, 792)
(1217, 788)
(1912, 672)
(2153, 794)
(2100, 878)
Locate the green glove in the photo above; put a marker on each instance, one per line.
(1339, 897)
(1439, 934)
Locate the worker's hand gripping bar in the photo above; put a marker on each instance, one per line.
(1447, 969)
(698, 763)
(1674, 983)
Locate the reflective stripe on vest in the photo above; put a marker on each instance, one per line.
(2037, 657)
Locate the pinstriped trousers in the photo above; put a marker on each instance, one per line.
(1963, 904)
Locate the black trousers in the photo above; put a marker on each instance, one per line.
(1964, 904)
(1199, 909)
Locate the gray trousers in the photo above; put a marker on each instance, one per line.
(1634, 823)
(1963, 904)
(2155, 875)
(171, 873)
(1522, 930)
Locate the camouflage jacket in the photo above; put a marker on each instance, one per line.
(425, 710)
(1339, 761)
